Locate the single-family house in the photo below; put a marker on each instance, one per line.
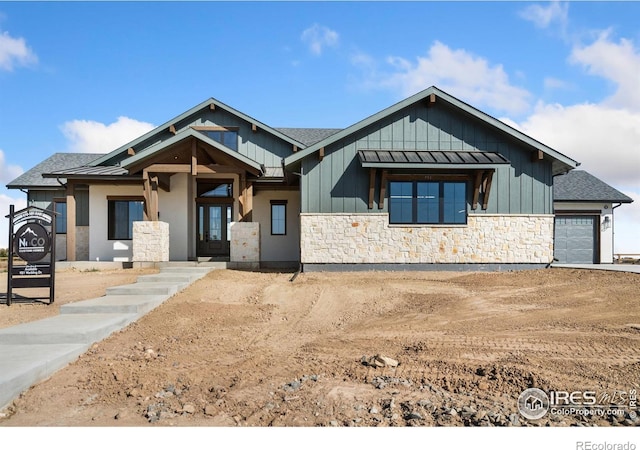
(430, 180)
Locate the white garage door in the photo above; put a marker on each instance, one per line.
(575, 239)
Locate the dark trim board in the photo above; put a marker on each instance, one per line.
(427, 267)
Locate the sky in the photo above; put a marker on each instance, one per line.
(91, 76)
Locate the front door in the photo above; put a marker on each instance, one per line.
(213, 234)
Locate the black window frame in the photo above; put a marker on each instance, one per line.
(61, 217)
(223, 135)
(414, 202)
(284, 219)
(111, 219)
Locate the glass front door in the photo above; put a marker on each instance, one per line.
(213, 233)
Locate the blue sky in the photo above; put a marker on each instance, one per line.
(89, 76)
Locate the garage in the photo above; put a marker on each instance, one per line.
(576, 239)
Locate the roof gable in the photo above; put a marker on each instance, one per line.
(167, 129)
(562, 163)
(581, 186)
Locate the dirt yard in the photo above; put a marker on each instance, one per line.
(254, 349)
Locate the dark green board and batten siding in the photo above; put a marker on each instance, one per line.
(260, 146)
(44, 199)
(338, 184)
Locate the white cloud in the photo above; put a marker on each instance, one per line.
(88, 136)
(544, 16)
(318, 37)
(15, 52)
(605, 140)
(5, 201)
(618, 62)
(8, 172)
(467, 76)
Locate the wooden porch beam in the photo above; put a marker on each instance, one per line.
(164, 182)
(194, 158)
(372, 186)
(71, 221)
(150, 196)
(383, 189)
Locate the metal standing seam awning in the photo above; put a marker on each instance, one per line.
(482, 163)
(423, 159)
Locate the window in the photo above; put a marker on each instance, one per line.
(425, 202)
(60, 207)
(215, 190)
(122, 214)
(278, 217)
(227, 137)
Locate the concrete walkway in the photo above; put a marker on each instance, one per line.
(633, 268)
(31, 352)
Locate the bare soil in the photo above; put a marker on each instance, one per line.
(255, 349)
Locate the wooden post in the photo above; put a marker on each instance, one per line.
(150, 196)
(194, 158)
(487, 190)
(372, 186)
(71, 221)
(383, 189)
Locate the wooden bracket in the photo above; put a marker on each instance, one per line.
(487, 189)
(254, 127)
(172, 129)
(321, 154)
(295, 148)
(383, 189)
(477, 183)
(431, 100)
(537, 155)
(131, 151)
(372, 186)
(212, 106)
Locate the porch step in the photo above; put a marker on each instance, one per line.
(115, 304)
(66, 329)
(170, 277)
(166, 289)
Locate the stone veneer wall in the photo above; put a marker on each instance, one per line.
(150, 241)
(245, 243)
(369, 239)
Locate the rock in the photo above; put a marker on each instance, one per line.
(333, 423)
(374, 410)
(293, 386)
(453, 412)
(413, 416)
(481, 371)
(210, 410)
(188, 408)
(383, 361)
(483, 385)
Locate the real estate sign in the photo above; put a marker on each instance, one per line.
(32, 234)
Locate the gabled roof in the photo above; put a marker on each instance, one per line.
(563, 164)
(189, 133)
(309, 136)
(121, 152)
(581, 186)
(58, 161)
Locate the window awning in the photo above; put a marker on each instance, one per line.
(423, 159)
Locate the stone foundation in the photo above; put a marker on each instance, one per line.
(245, 245)
(150, 241)
(369, 239)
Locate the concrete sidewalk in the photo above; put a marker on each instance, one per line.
(633, 268)
(31, 352)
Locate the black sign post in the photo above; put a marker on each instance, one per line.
(32, 233)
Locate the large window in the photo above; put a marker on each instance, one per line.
(427, 202)
(227, 137)
(278, 217)
(60, 206)
(122, 214)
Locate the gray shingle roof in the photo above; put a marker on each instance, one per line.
(308, 136)
(58, 161)
(581, 186)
